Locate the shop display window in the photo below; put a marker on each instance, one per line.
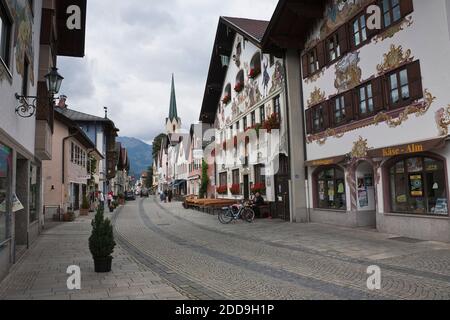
(331, 189)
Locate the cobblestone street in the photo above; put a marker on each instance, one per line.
(166, 252)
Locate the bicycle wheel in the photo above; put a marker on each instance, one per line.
(248, 214)
(226, 216)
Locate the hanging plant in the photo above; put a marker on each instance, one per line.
(272, 123)
(226, 99)
(254, 72)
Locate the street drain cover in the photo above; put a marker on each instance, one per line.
(407, 240)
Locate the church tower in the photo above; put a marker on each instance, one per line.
(173, 123)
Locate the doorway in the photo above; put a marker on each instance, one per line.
(365, 195)
(246, 187)
(282, 200)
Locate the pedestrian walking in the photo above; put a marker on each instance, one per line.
(101, 199)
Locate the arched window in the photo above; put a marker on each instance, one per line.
(255, 66)
(330, 188)
(227, 94)
(418, 185)
(239, 81)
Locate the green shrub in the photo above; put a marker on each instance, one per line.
(101, 241)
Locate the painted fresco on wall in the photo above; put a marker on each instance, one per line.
(337, 12)
(348, 73)
(255, 90)
(23, 35)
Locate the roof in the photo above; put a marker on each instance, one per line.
(252, 28)
(227, 29)
(173, 113)
(84, 117)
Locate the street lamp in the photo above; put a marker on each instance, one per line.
(27, 104)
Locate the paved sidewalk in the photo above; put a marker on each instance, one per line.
(41, 273)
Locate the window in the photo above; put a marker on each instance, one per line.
(391, 12)
(318, 118)
(262, 114)
(5, 35)
(5, 190)
(245, 123)
(418, 186)
(272, 60)
(253, 118)
(313, 62)
(260, 178)
(276, 107)
(236, 177)
(333, 48)
(223, 179)
(238, 126)
(34, 193)
(398, 86)
(72, 153)
(339, 110)
(255, 66)
(330, 188)
(359, 30)
(365, 99)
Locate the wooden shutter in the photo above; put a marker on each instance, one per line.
(406, 7)
(343, 39)
(305, 66)
(321, 57)
(349, 106)
(308, 120)
(415, 81)
(377, 92)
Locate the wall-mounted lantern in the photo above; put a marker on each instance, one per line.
(27, 104)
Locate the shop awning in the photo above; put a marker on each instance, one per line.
(325, 162)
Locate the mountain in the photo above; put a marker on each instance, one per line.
(140, 155)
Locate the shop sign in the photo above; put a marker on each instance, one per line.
(410, 148)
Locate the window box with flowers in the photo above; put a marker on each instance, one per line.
(254, 72)
(272, 123)
(235, 189)
(222, 190)
(226, 99)
(259, 188)
(239, 87)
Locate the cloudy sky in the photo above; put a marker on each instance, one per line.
(134, 46)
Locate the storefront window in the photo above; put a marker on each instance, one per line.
(418, 186)
(5, 190)
(331, 189)
(33, 193)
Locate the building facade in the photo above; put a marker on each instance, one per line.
(28, 51)
(245, 100)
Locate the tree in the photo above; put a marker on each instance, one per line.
(149, 180)
(157, 144)
(205, 180)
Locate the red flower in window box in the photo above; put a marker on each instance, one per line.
(226, 99)
(272, 123)
(258, 187)
(222, 190)
(239, 87)
(235, 189)
(254, 72)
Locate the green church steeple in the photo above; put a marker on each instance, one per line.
(173, 113)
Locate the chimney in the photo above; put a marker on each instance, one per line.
(62, 102)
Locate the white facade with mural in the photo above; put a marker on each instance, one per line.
(377, 118)
(252, 98)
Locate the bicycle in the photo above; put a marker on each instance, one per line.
(233, 213)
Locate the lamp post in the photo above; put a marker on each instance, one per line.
(27, 104)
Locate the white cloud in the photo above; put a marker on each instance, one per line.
(134, 46)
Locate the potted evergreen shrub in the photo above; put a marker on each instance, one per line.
(85, 206)
(101, 243)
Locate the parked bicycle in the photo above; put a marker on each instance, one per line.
(242, 211)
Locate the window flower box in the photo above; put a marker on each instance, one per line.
(259, 188)
(239, 87)
(235, 189)
(226, 99)
(272, 123)
(254, 72)
(222, 190)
